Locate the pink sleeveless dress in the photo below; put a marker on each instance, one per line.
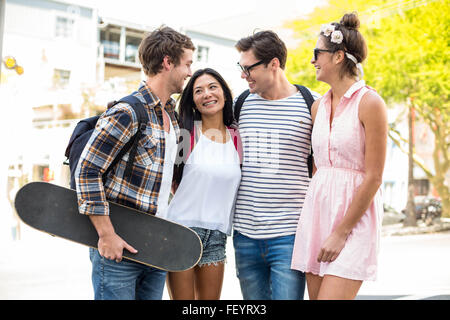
(339, 158)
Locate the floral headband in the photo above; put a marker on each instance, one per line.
(337, 37)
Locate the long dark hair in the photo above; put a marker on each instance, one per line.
(188, 113)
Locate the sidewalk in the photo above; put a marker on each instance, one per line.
(43, 267)
(398, 229)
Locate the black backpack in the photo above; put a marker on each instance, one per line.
(84, 130)
(309, 99)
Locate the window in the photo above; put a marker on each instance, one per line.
(110, 40)
(121, 44)
(61, 78)
(202, 54)
(43, 113)
(43, 173)
(64, 27)
(131, 49)
(421, 187)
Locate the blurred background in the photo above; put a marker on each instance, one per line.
(65, 60)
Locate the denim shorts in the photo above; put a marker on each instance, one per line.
(214, 243)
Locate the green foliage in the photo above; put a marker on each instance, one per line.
(408, 62)
(407, 45)
(299, 67)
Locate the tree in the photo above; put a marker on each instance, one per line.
(408, 61)
(417, 58)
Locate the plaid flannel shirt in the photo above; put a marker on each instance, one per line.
(113, 130)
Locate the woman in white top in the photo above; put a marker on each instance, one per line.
(206, 182)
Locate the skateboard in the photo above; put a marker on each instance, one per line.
(160, 243)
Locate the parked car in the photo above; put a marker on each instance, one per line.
(392, 216)
(427, 209)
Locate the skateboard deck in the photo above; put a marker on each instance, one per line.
(160, 243)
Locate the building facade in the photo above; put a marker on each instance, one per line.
(75, 61)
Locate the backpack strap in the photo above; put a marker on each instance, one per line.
(195, 135)
(234, 133)
(309, 99)
(132, 144)
(238, 104)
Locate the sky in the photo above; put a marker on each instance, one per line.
(183, 13)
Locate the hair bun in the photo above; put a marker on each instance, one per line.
(350, 21)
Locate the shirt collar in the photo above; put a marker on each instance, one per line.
(355, 87)
(349, 93)
(152, 99)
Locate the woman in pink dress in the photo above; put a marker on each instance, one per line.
(338, 232)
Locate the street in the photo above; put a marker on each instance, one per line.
(412, 267)
(43, 267)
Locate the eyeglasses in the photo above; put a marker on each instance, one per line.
(317, 51)
(246, 70)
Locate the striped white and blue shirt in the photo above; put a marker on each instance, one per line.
(276, 140)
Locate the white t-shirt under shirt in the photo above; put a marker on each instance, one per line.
(276, 143)
(206, 194)
(169, 160)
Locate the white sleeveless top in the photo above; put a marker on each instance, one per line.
(206, 194)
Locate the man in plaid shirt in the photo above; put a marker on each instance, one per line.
(166, 57)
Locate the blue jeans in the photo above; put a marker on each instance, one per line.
(263, 267)
(125, 280)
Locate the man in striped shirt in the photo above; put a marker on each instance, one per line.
(166, 57)
(275, 126)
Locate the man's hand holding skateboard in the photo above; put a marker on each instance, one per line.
(110, 244)
(162, 244)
